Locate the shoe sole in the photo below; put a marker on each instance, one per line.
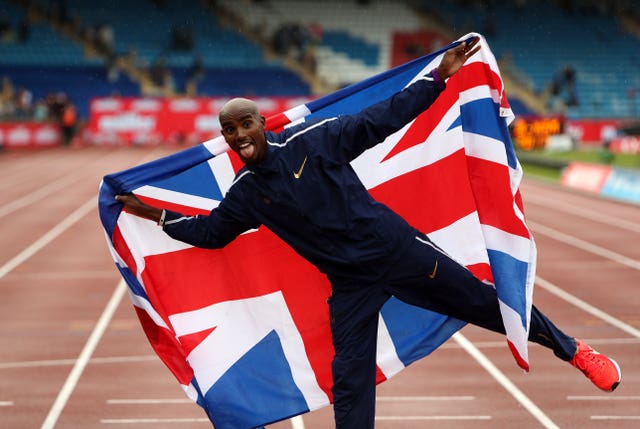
(617, 383)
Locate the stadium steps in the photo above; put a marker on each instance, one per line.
(371, 25)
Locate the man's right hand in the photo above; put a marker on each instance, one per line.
(136, 207)
(455, 58)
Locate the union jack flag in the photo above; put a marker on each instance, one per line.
(254, 346)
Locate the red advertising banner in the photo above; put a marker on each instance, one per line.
(15, 135)
(591, 131)
(626, 144)
(588, 177)
(152, 121)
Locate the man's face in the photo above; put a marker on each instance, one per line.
(243, 130)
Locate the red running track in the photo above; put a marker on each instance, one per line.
(72, 354)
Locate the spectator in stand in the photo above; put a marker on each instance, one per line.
(195, 75)
(68, 122)
(569, 74)
(24, 103)
(7, 99)
(316, 33)
(59, 12)
(182, 37)
(104, 40)
(160, 75)
(40, 111)
(24, 30)
(5, 26)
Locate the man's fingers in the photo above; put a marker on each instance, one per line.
(471, 53)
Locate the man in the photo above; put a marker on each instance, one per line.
(300, 184)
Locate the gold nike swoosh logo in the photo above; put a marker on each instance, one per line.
(298, 174)
(433, 273)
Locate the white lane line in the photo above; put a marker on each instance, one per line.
(85, 355)
(37, 195)
(297, 422)
(425, 398)
(63, 362)
(585, 245)
(574, 300)
(51, 187)
(586, 213)
(424, 418)
(47, 238)
(66, 275)
(603, 398)
(500, 344)
(149, 401)
(148, 421)
(615, 417)
(6, 403)
(532, 408)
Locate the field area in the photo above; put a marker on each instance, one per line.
(549, 164)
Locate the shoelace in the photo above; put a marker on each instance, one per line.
(586, 359)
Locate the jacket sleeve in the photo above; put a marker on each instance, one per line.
(213, 231)
(353, 134)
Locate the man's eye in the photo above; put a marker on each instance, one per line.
(228, 130)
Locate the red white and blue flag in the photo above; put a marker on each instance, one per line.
(252, 344)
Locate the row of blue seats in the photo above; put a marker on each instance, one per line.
(542, 38)
(82, 83)
(50, 62)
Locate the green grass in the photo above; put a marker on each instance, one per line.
(549, 173)
(597, 156)
(548, 164)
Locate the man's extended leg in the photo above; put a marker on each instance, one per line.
(354, 328)
(451, 289)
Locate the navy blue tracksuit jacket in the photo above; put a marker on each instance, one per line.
(324, 212)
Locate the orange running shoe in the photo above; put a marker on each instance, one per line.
(603, 371)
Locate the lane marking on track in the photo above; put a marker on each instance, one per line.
(615, 417)
(51, 187)
(37, 195)
(63, 362)
(585, 245)
(148, 421)
(603, 398)
(422, 418)
(85, 355)
(297, 422)
(6, 403)
(574, 300)
(149, 401)
(47, 238)
(503, 380)
(24, 172)
(586, 213)
(66, 275)
(500, 344)
(425, 398)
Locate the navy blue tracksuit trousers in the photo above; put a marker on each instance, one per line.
(454, 292)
